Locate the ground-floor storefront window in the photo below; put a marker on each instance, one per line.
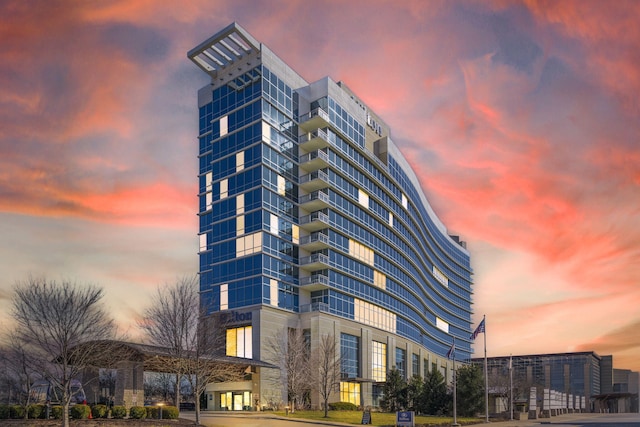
(235, 401)
(350, 392)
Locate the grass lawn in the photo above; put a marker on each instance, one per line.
(377, 418)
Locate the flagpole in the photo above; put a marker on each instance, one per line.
(455, 392)
(511, 385)
(486, 375)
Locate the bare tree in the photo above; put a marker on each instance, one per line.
(325, 369)
(207, 362)
(159, 385)
(503, 387)
(18, 372)
(175, 320)
(170, 321)
(57, 324)
(291, 350)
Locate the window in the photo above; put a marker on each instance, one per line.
(373, 315)
(350, 356)
(224, 297)
(248, 244)
(203, 242)
(239, 342)
(224, 125)
(379, 361)
(350, 392)
(401, 361)
(442, 325)
(415, 364)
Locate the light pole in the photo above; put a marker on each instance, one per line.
(160, 404)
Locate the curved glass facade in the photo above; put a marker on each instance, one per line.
(307, 206)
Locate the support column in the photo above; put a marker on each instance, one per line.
(91, 384)
(129, 384)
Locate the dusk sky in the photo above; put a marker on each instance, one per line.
(521, 120)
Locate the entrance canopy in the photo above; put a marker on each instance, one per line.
(110, 353)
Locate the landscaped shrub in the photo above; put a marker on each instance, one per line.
(118, 411)
(56, 412)
(4, 412)
(79, 412)
(99, 411)
(170, 413)
(152, 411)
(16, 411)
(137, 412)
(342, 406)
(36, 411)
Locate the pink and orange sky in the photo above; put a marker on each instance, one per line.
(521, 119)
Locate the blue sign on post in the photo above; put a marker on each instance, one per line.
(405, 419)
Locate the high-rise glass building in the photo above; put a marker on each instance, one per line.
(311, 218)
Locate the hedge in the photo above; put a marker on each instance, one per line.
(152, 412)
(137, 412)
(56, 412)
(99, 411)
(16, 411)
(36, 411)
(118, 411)
(342, 406)
(170, 413)
(79, 412)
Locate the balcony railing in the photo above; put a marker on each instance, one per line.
(314, 306)
(316, 139)
(315, 216)
(313, 260)
(315, 196)
(315, 279)
(314, 119)
(314, 238)
(314, 181)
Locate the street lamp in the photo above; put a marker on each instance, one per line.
(160, 404)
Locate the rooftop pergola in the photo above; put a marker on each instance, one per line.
(223, 49)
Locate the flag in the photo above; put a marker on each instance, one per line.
(479, 330)
(452, 351)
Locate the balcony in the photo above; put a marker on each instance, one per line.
(314, 201)
(313, 120)
(315, 306)
(315, 221)
(314, 262)
(315, 241)
(314, 181)
(314, 160)
(314, 140)
(315, 282)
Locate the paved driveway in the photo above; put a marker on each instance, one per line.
(578, 420)
(258, 419)
(253, 419)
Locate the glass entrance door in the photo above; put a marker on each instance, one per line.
(237, 402)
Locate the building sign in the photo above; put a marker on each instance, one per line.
(235, 317)
(405, 419)
(374, 125)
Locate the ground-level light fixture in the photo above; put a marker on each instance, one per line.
(160, 404)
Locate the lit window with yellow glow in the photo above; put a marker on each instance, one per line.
(350, 392)
(379, 361)
(239, 342)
